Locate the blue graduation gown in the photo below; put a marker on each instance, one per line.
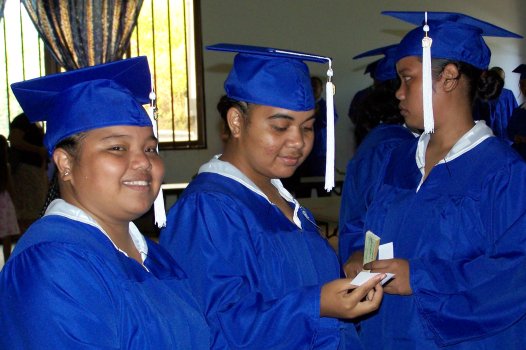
(67, 287)
(464, 235)
(256, 274)
(499, 110)
(361, 176)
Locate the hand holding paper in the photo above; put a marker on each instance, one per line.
(399, 267)
(372, 249)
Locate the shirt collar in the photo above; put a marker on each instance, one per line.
(62, 208)
(217, 166)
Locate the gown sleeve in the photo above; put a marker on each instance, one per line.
(53, 297)
(211, 239)
(362, 180)
(484, 294)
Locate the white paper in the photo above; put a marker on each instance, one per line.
(364, 276)
(386, 251)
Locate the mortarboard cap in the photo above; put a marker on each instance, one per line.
(384, 68)
(270, 77)
(371, 67)
(522, 70)
(455, 36)
(88, 98)
(279, 78)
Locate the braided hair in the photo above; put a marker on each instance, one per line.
(72, 146)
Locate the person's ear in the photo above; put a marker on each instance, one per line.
(235, 119)
(64, 163)
(450, 77)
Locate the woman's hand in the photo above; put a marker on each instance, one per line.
(340, 299)
(354, 265)
(400, 267)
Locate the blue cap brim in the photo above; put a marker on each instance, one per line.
(417, 18)
(521, 69)
(375, 52)
(269, 52)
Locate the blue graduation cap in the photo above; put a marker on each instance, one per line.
(521, 69)
(91, 98)
(455, 36)
(384, 68)
(270, 77)
(446, 35)
(371, 67)
(279, 78)
(88, 98)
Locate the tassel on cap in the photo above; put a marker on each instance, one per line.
(329, 164)
(427, 83)
(158, 204)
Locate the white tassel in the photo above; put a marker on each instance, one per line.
(427, 83)
(158, 205)
(329, 163)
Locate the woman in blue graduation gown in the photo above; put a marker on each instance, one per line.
(517, 126)
(83, 276)
(452, 203)
(380, 112)
(361, 176)
(262, 272)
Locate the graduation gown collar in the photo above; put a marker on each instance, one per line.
(62, 208)
(217, 166)
(468, 141)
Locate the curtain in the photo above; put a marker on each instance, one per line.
(81, 33)
(2, 6)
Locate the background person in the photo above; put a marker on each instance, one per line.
(8, 221)
(28, 158)
(517, 125)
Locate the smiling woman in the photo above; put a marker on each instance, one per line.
(83, 275)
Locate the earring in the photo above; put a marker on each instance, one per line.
(66, 173)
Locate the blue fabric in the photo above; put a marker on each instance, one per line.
(517, 128)
(497, 112)
(270, 77)
(67, 287)
(385, 68)
(88, 98)
(360, 184)
(256, 275)
(463, 234)
(455, 37)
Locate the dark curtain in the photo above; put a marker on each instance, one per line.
(2, 6)
(81, 33)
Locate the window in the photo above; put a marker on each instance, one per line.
(21, 57)
(167, 31)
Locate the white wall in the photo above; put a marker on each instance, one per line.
(337, 28)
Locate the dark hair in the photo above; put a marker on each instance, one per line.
(316, 79)
(4, 169)
(71, 145)
(225, 103)
(482, 84)
(380, 106)
(491, 85)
